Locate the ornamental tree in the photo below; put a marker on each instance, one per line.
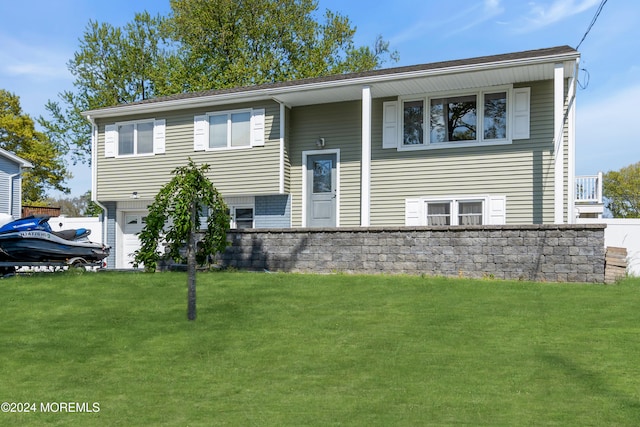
(621, 190)
(174, 219)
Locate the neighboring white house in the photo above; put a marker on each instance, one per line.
(11, 167)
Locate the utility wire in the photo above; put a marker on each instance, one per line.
(593, 21)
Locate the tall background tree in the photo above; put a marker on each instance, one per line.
(19, 136)
(202, 45)
(180, 203)
(112, 66)
(621, 190)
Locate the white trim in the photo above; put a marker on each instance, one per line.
(233, 208)
(306, 154)
(365, 165)
(94, 159)
(120, 224)
(558, 143)
(202, 126)
(19, 160)
(390, 124)
(262, 94)
(571, 173)
(491, 214)
(228, 145)
(521, 113)
(257, 127)
(282, 147)
(135, 123)
(159, 136)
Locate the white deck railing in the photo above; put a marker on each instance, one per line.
(589, 188)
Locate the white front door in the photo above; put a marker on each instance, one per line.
(133, 224)
(321, 190)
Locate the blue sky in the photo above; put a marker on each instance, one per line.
(38, 38)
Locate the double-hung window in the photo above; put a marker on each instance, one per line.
(482, 117)
(135, 138)
(232, 129)
(242, 217)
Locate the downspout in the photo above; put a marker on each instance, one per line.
(94, 176)
(11, 177)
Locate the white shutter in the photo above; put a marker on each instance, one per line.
(200, 133)
(413, 212)
(390, 124)
(159, 136)
(257, 127)
(110, 140)
(497, 210)
(521, 112)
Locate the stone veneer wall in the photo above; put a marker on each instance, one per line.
(556, 253)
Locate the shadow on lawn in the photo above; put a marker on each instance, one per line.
(590, 381)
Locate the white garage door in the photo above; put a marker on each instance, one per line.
(133, 224)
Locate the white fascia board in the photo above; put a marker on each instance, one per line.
(251, 95)
(19, 160)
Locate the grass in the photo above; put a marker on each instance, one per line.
(285, 349)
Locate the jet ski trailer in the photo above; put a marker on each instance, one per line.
(30, 242)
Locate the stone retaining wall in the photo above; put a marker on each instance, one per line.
(557, 253)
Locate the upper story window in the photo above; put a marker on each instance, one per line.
(231, 129)
(455, 118)
(135, 138)
(490, 116)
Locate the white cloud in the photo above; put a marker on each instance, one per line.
(453, 24)
(18, 59)
(542, 15)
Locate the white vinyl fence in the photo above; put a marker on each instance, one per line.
(90, 223)
(621, 233)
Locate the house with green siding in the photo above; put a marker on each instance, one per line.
(486, 140)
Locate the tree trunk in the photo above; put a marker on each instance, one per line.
(191, 267)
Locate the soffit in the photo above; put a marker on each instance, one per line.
(480, 72)
(422, 84)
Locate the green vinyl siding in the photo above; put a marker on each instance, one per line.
(254, 170)
(521, 171)
(340, 125)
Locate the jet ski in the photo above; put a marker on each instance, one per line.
(31, 239)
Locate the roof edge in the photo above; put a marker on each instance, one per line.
(272, 90)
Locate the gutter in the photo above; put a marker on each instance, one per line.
(338, 81)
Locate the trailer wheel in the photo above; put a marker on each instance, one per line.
(7, 271)
(78, 264)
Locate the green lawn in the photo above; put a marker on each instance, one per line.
(296, 350)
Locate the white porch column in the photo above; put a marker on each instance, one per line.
(558, 150)
(282, 127)
(365, 165)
